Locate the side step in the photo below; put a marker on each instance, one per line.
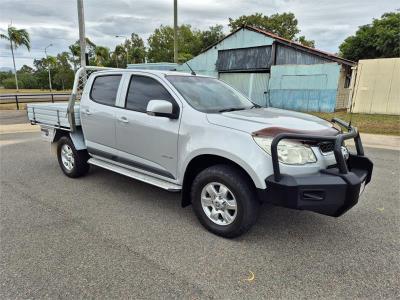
(136, 175)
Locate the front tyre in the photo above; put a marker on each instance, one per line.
(224, 200)
(72, 162)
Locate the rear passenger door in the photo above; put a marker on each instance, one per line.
(98, 115)
(147, 142)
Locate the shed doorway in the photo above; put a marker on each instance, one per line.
(252, 85)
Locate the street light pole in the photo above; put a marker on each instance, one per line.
(176, 31)
(82, 37)
(48, 67)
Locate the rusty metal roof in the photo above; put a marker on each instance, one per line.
(289, 43)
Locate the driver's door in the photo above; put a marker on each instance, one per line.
(146, 142)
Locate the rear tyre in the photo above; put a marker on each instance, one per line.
(224, 200)
(72, 162)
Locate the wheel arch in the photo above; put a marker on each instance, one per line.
(76, 138)
(200, 163)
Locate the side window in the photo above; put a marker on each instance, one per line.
(105, 88)
(143, 89)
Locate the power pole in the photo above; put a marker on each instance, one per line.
(82, 37)
(176, 31)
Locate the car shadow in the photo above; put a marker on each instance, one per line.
(273, 222)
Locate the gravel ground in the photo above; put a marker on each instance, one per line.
(108, 236)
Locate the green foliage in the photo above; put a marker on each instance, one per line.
(75, 50)
(4, 76)
(101, 56)
(212, 35)
(161, 45)
(135, 49)
(25, 81)
(18, 37)
(190, 42)
(62, 74)
(377, 40)
(308, 43)
(284, 25)
(25, 69)
(8, 83)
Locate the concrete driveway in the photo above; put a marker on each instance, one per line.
(108, 236)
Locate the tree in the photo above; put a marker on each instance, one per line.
(161, 45)
(102, 56)
(119, 55)
(17, 37)
(190, 43)
(64, 75)
(376, 40)
(25, 70)
(135, 49)
(212, 35)
(75, 50)
(5, 76)
(284, 25)
(41, 71)
(308, 43)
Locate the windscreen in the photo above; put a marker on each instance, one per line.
(209, 94)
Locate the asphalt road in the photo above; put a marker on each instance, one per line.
(108, 236)
(9, 117)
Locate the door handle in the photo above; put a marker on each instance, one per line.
(123, 120)
(87, 111)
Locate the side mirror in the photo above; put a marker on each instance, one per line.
(160, 108)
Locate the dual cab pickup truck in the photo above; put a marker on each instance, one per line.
(199, 136)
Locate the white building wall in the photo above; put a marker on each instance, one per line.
(377, 86)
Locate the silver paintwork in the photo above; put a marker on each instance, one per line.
(78, 139)
(218, 203)
(159, 106)
(171, 144)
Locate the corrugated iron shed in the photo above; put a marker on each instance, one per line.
(274, 71)
(293, 44)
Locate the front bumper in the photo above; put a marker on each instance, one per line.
(331, 191)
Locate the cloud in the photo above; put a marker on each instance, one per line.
(49, 21)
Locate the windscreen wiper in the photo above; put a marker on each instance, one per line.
(232, 109)
(255, 105)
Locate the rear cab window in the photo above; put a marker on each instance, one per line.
(105, 88)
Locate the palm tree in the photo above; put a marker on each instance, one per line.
(17, 37)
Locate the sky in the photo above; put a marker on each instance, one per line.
(55, 22)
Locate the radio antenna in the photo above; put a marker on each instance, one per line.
(193, 72)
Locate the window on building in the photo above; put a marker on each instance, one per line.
(142, 89)
(105, 88)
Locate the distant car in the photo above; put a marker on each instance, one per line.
(198, 135)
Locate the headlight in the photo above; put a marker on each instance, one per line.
(289, 152)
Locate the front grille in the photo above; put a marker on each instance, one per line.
(326, 147)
